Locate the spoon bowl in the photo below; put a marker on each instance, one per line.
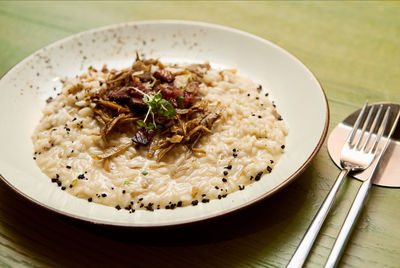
(387, 171)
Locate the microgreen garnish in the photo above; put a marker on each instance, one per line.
(145, 173)
(157, 106)
(180, 100)
(126, 183)
(74, 181)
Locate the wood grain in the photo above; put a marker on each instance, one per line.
(353, 48)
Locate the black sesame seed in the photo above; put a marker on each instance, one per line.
(258, 176)
(234, 155)
(59, 183)
(269, 169)
(195, 202)
(259, 116)
(57, 176)
(257, 98)
(141, 205)
(67, 129)
(90, 199)
(118, 207)
(216, 187)
(104, 195)
(70, 186)
(179, 204)
(158, 206)
(224, 195)
(81, 176)
(248, 94)
(173, 206)
(203, 195)
(234, 150)
(112, 188)
(54, 180)
(205, 200)
(69, 167)
(131, 202)
(283, 146)
(74, 119)
(241, 187)
(225, 172)
(266, 94)
(271, 161)
(140, 199)
(167, 207)
(251, 177)
(149, 207)
(123, 191)
(219, 196)
(228, 167)
(34, 158)
(63, 188)
(224, 180)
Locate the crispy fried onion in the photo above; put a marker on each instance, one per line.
(124, 105)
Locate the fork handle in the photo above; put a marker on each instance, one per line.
(306, 243)
(348, 224)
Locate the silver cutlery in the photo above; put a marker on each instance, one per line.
(358, 153)
(358, 202)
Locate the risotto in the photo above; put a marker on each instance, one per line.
(155, 136)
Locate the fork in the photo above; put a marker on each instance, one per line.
(356, 156)
(357, 205)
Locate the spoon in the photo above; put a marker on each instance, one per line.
(387, 171)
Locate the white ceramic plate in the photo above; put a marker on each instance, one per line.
(24, 89)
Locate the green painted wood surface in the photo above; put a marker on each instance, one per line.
(353, 48)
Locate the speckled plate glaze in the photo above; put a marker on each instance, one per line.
(24, 89)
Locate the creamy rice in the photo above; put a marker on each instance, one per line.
(246, 142)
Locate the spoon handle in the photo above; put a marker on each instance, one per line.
(306, 243)
(356, 207)
(349, 224)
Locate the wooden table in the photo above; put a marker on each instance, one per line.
(353, 48)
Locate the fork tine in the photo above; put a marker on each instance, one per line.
(357, 123)
(366, 123)
(382, 128)
(371, 130)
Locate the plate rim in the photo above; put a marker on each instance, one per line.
(202, 219)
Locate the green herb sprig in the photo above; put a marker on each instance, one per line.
(156, 106)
